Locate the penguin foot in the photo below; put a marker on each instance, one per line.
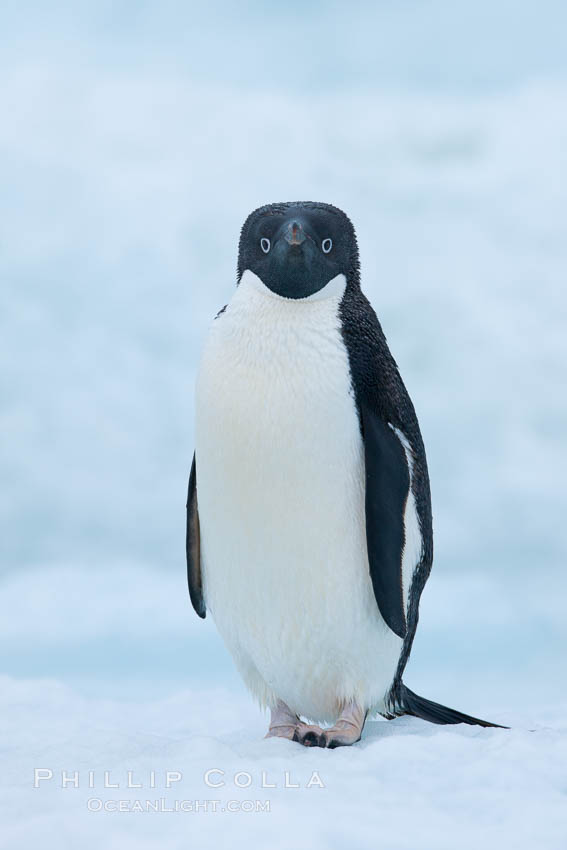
(285, 724)
(348, 728)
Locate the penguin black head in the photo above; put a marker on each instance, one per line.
(297, 248)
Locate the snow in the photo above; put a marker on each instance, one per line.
(407, 784)
(138, 683)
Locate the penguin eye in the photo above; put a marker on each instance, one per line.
(265, 244)
(326, 245)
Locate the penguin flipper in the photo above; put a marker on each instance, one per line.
(409, 703)
(193, 546)
(387, 487)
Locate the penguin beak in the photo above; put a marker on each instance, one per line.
(294, 233)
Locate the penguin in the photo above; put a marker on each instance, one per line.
(309, 530)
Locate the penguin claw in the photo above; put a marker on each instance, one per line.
(309, 736)
(286, 724)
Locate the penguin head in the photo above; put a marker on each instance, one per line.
(297, 248)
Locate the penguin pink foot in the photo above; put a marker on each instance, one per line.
(348, 728)
(283, 722)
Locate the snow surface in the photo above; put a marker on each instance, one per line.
(144, 685)
(407, 784)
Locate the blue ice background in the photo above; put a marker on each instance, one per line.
(134, 139)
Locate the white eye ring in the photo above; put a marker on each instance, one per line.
(265, 244)
(326, 245)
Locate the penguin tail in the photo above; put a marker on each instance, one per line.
(409, 703)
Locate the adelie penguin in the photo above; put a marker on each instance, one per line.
(309, 534)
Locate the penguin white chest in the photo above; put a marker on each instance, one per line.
(280, 490)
